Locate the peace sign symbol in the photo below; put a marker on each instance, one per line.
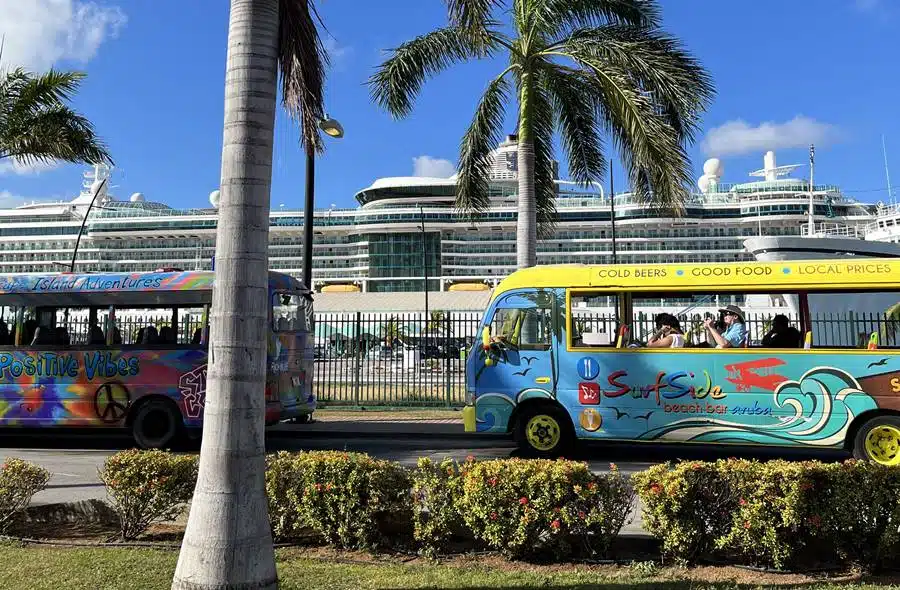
(111, 402)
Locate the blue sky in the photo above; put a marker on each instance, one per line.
(785, 74)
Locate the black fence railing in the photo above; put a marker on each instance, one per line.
(367, 359)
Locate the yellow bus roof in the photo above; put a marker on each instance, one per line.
(846, 273)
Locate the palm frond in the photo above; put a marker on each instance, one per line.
(561, 16)
(56, 133)
(482, 136)
(679, 84)
(542, 127)
(398, 80)
(649, 146)
(472, 15)
(574, 103)
(302, 61)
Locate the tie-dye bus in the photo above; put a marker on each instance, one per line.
(801, 353)
(130, 350)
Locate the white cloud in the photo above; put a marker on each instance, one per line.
(433, 167)
(738, 137)
(7, 200)
(11, 166)
(335, 50)
(40, 33)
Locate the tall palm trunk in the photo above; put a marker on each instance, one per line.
(526, 226)
(228, 541)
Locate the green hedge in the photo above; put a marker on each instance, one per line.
(523, 508)
(19, 481)
(775, 513)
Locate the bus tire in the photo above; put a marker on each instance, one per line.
(544, 430)
(157, 424)
(878, 440)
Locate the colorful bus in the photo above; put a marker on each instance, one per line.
(801, 353)
(130, 350)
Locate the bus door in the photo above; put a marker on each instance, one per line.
(517, 363)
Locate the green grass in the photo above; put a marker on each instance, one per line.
(49, 568)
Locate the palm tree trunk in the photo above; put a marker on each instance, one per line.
(228, 541)
(526, 225)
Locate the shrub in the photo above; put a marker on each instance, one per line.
(687, 505)
(775, 513)
(351, 499)
(436, 489)
(19, 481)
(541, 507)
(148, 486)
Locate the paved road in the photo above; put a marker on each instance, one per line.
(74, 459)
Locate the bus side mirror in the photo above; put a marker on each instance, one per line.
(486, 345)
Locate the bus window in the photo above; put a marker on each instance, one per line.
(594, 320)
(288, 312)
(524, 329)
(848, 320)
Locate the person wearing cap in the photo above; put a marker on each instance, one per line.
(735, 332)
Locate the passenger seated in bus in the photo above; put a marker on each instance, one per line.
(61, 336)
(151, 335)
(197, 338)
(668, 333)
(4, 334)
(117, 335)
(167, 335)
(95, 336)
(29, 330)
(735, 332)
(782, 334)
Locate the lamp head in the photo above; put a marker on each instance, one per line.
(331, 127)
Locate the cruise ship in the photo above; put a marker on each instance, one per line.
(379, 245)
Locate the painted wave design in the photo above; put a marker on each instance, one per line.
(492, 410)
(815, 410)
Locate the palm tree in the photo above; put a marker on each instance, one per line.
(586, 67)
(228, 541)
(36, 124)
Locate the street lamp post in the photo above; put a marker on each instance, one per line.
(425, 276)
(331, 128)
(98, 187)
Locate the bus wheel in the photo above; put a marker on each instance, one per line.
(545, 431)
(878, 440)
(156, 424)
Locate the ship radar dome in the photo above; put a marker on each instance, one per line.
(714, 168)
(703, 183)
(137, 198)
(214, 199)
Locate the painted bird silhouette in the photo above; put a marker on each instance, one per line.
(528, 359)
(619, 413)
(880, 363)
(522, 373)
(645, 416)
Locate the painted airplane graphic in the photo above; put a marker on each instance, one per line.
(745, 377)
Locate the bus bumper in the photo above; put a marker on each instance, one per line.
(468, 415)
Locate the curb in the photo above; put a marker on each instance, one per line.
(91, 511)
(404, 430)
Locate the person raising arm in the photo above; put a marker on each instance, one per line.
(735, 332)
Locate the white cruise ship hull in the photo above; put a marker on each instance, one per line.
(775, 248)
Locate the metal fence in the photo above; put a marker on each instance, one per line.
(392, 359)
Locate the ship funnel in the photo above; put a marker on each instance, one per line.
(769, 165)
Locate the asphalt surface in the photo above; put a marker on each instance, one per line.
(74, 458)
